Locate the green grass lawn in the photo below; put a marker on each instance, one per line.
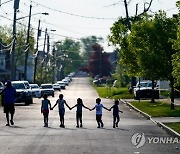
(174, 125)
(115, 93)
(157, 109)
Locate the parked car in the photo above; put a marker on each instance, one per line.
(23, 94)
(66, 82)
(1, 86)
(62, 84)
(144, 89)
(36, 91)
(56, 86)
(68, 79)
(47, 89)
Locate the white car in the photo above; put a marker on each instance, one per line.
(62, 84)
(47, 89)
(66, 82)
(36, 91)
(56, 86)
(144, 90)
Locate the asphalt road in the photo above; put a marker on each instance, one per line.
(28, 136)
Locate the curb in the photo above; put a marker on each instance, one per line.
(169, 130)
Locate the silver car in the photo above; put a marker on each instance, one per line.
(36, 91)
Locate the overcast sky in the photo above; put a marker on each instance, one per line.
(79, 18)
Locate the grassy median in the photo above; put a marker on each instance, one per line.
(174, 125)
(157, 109)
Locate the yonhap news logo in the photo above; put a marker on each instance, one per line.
(139, 139)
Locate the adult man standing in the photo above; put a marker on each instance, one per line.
(9, 99)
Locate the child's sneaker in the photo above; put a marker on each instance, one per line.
(11, 121)
(7, 125)
(77, 126)
(113, 126)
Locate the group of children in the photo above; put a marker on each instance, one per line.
(46, 106)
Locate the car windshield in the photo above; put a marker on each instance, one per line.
(27, 84)
(18, 85)
(34, 86)
(146, 84)
(1, 84)
(46, 86)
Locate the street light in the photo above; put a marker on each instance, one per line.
(27, 39)
(44, 13)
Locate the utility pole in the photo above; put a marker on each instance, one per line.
(27, 43)
(13, 68)
(133, 79)
(127, 15)
(36, 52)
(44, 54)
(54, 63)
(47, 58)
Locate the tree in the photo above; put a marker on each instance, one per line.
(69, 56)
(147, 50)
(99, 63)
(87, 43)
(176, 56)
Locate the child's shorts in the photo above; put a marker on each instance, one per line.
(78, 114)
(61, 111)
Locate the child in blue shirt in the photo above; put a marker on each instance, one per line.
(46, 105)
(115, 113)
(79, 106)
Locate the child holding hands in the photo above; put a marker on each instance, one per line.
(98, 108)
(79, 106)
(115, 113)
(46, 105)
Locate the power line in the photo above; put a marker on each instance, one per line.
(72, 14)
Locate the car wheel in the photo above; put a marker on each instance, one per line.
(27, 102)
(31, 101)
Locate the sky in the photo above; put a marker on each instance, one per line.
(76, 19)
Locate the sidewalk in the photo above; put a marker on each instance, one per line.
(157, 120)
(167, 119)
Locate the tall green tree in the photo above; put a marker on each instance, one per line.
(176, 57)
(147, 50)
(68, 56)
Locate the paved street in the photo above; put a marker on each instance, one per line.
(28, 136)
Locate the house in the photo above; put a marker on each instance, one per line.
(4, 73)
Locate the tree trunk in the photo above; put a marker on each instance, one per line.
(152, 93)
(172, 93)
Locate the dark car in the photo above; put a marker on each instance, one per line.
(47, 89)
(23, 94)
(1, 87)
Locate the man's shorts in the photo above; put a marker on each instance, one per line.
(9, 108)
